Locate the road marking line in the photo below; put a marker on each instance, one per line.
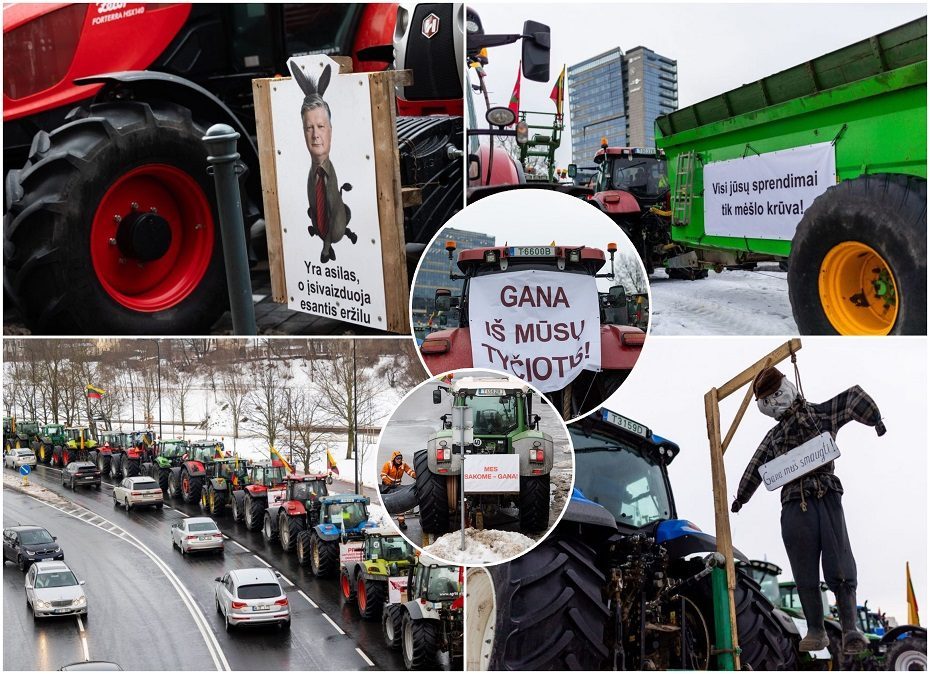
(226, 537)
(86, 650)
(364, 657)
(312, 603)
(96, 517)
(286, 580)
(262, 561)
(241, 546)
(216, 653)
(80, 625)
(338, 629)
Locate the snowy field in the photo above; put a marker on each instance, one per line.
(729, 303)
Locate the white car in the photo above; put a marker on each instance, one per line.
(19, 457)
(252, 597)
(193, 534)
(137, 491)
(53, 590)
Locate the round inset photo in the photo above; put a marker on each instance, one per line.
(539, 285)
(475, 467)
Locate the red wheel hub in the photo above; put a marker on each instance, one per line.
(346, 587)
(152, 238)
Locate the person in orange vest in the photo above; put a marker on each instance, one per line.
(391, 475)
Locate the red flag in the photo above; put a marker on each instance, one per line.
(331, 463)
(515, 96)
(558, 92)
(913, 615)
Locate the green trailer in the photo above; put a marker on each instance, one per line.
(822, 167)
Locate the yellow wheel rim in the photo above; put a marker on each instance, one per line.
(858, 291)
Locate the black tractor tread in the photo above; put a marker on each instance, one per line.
(431, 496)
(555, 590)
(219, 502)
(55, 289)
(132, 467)
(393, 614)
(375, 596)
(534, 503)
(196, 487)
(329, 556)
(304, 548)
(269, 527)
(254, 513)
(238, 506)
(425, 644)
(174, 483)
(888, 212)
(294, 524)
(163, 475)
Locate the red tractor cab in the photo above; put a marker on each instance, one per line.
(265, 487)
(450, 349)
(299, 511)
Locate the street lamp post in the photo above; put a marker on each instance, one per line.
(158, 355)
(355, 414)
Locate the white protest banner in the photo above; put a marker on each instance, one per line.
(333, 268)
(765, 196)
(353, 551)
(541, 326)
(397, 589)
(801, 460)
(492, 473)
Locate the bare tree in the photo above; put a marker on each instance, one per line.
(234, 392)
(307, 417)
(266, 401)
(181, 383)
(629, 273)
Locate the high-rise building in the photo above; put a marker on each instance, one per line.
(618, 96)
(434, 269)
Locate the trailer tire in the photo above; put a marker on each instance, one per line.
(254, 513)
(324, 556)
(431, 496)
(289, 527)
(852, 226)
(304, 548)
(370, 595)
(56, 268)
(391, 625)
(907, 654)
(554, 589)
(238, 506)
(419, 642)
(534, 503)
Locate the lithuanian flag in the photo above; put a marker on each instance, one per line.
(331, 463)
(913, 617)
(94, 392)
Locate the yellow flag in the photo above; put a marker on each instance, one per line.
(913, 616)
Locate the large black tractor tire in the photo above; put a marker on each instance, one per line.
(269, 527)
(907, 655)
(238, 506)
(191, 486)
(254, 512)
(174, 483)
(431, 496)
(420, 642)
(52, 210)
(766, 644)
(103, 463)
(131, 467)
(304, 548)
(324, 556)
(116, 461)
(392, 624)
(534, 503)
(215, 501)
(289, 527)
(370, 595)
(164, 475)
(887, 213)
(57, 457)
(44, 453)
(553, 590)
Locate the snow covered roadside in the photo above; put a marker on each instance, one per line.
(485, 546)
(729, 303)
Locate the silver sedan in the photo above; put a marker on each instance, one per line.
(53, 590)
(20, 457)
(193, 534)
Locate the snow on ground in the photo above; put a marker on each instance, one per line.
(485, 546)
(378, 514)
(729, 303)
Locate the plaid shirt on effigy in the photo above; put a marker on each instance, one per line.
(800, 423)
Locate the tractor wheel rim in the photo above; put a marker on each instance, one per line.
(483, 602)
(858, 290)
(315, 555)
(185, 484)
(911, 661)
(408, 641)
(160, 270)
(362, 599)
(346, 589)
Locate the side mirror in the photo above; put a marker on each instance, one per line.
(437, 397)
(536, 46)
(474, 167)
(218, 579)
(329, 479)
(28, 586)
(54, 538)
(83, 582)
(536, 419)
(572, 170)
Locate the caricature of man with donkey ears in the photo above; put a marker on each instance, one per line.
(329, 216)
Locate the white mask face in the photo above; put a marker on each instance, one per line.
(778, 403)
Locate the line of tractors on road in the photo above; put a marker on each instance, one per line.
(418, 600)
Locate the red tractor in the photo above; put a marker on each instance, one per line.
(264, 487)
(621, 344)
(632, 188)
(110, 218)
(187, 479)
(299, 511)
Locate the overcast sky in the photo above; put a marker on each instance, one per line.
(718, 46)
(885, 479)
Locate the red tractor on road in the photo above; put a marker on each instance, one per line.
(264, 487)
(187, 479)
(299, 511)
(451, 349)
(110, 218)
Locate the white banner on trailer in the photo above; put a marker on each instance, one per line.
(765, 196)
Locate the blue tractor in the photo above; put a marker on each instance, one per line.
(621, 583)
(341, 518)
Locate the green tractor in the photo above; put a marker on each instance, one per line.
(168, 455)
(80, 445)
(503, 426)
(50, 438)
(366, 570)
(18, 434)
(222, 477)
(423, 615)
(343, 519)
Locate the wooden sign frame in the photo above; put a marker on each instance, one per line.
(390, 197)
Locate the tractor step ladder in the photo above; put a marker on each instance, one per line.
(684, 190)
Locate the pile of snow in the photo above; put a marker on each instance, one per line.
(485, 546)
